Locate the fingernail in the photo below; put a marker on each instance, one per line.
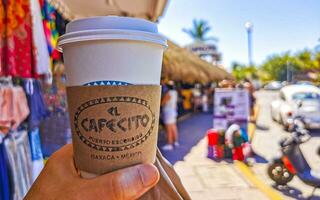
(149, 174)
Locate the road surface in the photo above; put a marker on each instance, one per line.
(266, 146)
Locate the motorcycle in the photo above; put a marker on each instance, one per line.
(292, 161)
(296, 123)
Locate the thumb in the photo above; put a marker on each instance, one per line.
(125, 184)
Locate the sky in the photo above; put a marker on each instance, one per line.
(278, 25)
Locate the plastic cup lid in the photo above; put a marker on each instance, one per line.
(111, 27)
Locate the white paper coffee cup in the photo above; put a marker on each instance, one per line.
(116, 49)
(112, 51)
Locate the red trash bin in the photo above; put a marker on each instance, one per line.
(212, 135)
(238, 153)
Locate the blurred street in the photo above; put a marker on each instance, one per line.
(266, 144)
(97, 73)
(203, 177)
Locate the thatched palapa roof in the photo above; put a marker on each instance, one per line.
(181, 65)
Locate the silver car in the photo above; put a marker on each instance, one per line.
(297, 100)
(273, 85)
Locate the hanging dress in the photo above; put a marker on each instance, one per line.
(18, 47)
(39, 39)
(2, 34)
(49, 25)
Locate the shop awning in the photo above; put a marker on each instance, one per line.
(147, 9)
(181, 65)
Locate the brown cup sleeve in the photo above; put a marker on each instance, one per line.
(113, 127)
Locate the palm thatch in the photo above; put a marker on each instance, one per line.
(181, 65)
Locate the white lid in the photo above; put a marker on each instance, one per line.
(111, 27)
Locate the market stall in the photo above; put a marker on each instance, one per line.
(28, 78)
(230, 136)
(32, 80)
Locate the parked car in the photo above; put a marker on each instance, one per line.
(256, 84)
(301, 100)
(273, 85)
(304, 83)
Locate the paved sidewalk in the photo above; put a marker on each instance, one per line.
(191, 131)
(206, 179)
(266, 144)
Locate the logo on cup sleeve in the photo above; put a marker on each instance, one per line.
(114, 123)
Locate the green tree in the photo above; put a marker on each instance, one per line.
(307, 59)
(317, 59)
(277, 66)
(199, 31)
(317, 48)
(240, 71)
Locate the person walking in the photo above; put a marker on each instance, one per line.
(252, 99)
(169, 116)
(186, 94)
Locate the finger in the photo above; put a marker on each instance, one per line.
(125, 184)
(62, 160)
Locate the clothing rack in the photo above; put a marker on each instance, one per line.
(24, 75)
(20, 150)
(6, 80)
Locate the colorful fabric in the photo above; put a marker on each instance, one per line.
(237, 140)
(55, 132)
(27, 48)
(35, 144)
(13, 107)
(220, 151)
(2, 34)
(187, 95)
(231, 131)
(211, 152)
(49, 25)
(238, 154)
(55, 96)
(221, 138)
(5, 192)
(247, 150)
(38, 110)
(244, 134)
(39, 38)
(36, 153)
(213, 137)
(17, 49)
(227, 152)
(19, 162)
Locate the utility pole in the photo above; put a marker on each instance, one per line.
(288, 72)
(249, 27)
